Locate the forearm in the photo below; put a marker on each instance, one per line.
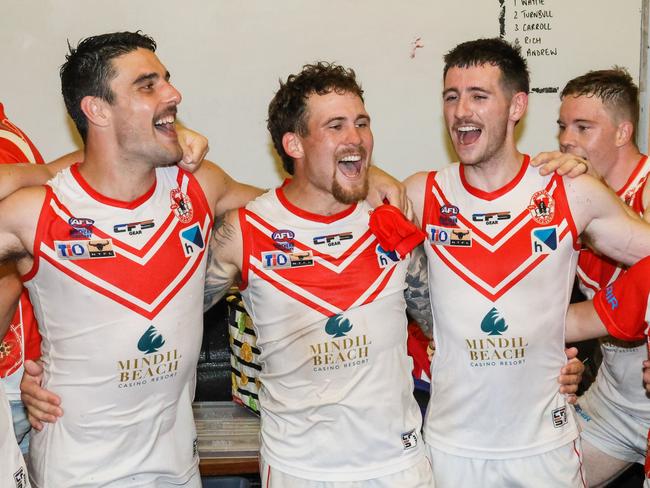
(583, 323)
(418, 303)
(220, 273)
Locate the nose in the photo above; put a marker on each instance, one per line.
(353, 136)
(172, 95)
(463, 108)
(566, 140)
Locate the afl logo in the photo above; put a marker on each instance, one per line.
(542, 207)
(283, 239)
(181, 205)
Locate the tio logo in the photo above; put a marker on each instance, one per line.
(71, 249)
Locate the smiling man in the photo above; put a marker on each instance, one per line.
(502, 251)
(597, 121)
(336, 400)
(119, 312)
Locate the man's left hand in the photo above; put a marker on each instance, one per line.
(195, 148)
(571, 375)
(564, 164)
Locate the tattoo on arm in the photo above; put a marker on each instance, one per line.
(418, 304)
(218, 277)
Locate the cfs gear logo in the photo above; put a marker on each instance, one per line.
(283, 239)
(279, 259)
(559, 417)
(448, 214)
(385, 258)
(191, 240)
(20, 478)
(491, 218)
(81, 227)
(332, 239)
(409, 440)
(338, 326)
(544, 239)
(134, 228)
(151, 341)
(446, 236)
(542, 207)
(181, 205)
(493, 323)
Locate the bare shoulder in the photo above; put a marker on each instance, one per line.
(222, 191)
(415, 189)
(23, 205)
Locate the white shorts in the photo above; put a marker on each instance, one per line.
(418, 476)
(559, 468)
(13, 473)
(610, 429)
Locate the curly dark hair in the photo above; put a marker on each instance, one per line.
(494, 51)
(614, 87)
(88, 70)
(288, 108)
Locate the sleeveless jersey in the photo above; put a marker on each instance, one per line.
(116, 288)
(619, 378)
(501, 266)
(329, 312)
(22, 339)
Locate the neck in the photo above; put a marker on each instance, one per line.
(617, 174)
(495, 173)
(113, 175)
(304, 196)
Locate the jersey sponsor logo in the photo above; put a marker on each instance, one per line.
(283, 239)
(156, 364)
(448, 214)
(447, 236)
(181, 205)
(151, 341)
(342, 350)
(542, 207)
(134, 228)
(81, 227)
(495, 350)
(191, 239)
(582, 413)
(544, 239)
(409, 440)
(491, 218)
(332, 239)
(559, 417)
(611, 298)
(101, 248)
(385, 258)
(280, 259)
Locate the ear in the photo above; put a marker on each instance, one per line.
(293, 145)
(624, 133)
(96, 111)
(518, 105)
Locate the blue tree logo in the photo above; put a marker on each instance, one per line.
(338, 326)
(493, 323)
(151, 341)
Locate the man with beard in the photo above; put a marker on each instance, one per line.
(502, 249)
(597, 121)
(326, 299)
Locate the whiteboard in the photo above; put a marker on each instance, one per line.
(226, 57)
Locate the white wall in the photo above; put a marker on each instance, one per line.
(226, 57)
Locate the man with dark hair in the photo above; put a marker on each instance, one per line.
(501, 251)
(597, 121)
(326, 299)
(114, 269)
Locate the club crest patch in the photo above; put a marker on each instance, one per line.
(542, 207)
(181, 205)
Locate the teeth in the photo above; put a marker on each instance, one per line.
(467, 128)
(165, 120)
(351, 158)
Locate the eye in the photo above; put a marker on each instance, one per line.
(363, 124)
(583, 128)
(480, 97)
(449, 98)
(336, 126)
(561, 127)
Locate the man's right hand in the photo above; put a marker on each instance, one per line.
(42, 405)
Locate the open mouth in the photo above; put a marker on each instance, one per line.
(165, 124)
(351, 164)
(468, 134)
